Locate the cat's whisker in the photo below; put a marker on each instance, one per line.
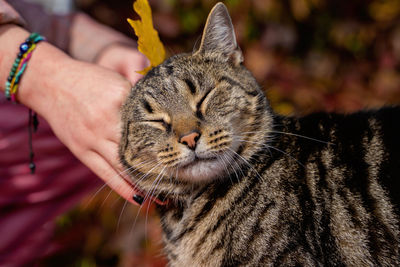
(144, 175)
(231, 159)
(135, 167)
(120, 214)
(159, 178)
(241, 139)
(94, 195)
(123, 208)
(291, 134)
(136, 217)
(246, 162)
(116, 200)
(250, 132)
(147, 173)
(153, 188)
(287, 154)
(224, 164)
(272, 147)
(106, 184)
(283, 152)
(150, 193)
(141, 206)
(176, 172)
(145, 222)
(169, 191)
(105, 199)
(128, 170)
(303, 136)
(142, 164)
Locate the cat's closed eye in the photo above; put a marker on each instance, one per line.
(162, 122)
(147, 106)
(190, 85)
(201, 101)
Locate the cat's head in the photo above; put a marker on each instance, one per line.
(196, 117)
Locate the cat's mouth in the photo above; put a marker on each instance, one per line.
(198, 159)
(201, 169)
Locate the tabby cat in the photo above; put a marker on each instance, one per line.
(248, 187)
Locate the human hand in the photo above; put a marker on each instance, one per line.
(124, 60)
(81, 102)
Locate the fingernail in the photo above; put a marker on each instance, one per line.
(138, 199)
(162, 198)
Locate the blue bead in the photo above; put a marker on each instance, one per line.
(24, 47)
(32, 166)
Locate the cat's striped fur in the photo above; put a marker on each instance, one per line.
(259, 189)
(324, 205)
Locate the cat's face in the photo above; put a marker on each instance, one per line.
(196, 117)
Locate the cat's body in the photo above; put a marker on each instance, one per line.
(327, 204)
(249, 188)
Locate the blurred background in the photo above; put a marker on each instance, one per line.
(308, 55)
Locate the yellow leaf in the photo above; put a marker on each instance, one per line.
(149, 43)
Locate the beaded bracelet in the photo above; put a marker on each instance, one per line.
(18, 68)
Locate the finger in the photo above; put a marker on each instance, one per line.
(136, 62)
(109, 151)
(133, 77)
(109, 175)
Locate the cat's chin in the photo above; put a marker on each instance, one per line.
(202, 170)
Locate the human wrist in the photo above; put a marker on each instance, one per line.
(11, 36)
(44, 62)
(38, 88)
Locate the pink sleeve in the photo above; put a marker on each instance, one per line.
(9, 15)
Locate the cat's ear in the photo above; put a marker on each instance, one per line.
(219, 35)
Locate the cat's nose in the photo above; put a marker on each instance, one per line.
(190, 139)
